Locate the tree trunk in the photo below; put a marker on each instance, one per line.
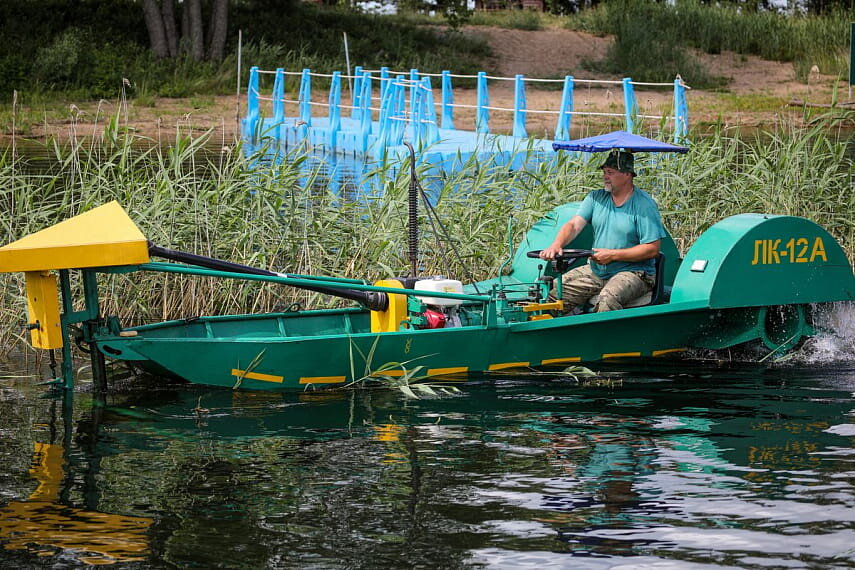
(185, 29)
(169, 27)
(156, 32)
(217, 32)
(197, 35)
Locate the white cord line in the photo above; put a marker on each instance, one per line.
(392, 72)
(602, 81)
(360, 108)
(652, 84)
(410, 120)
(370, 72)
(529, 79)
(532, 111)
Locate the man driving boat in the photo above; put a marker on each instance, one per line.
(627, 233)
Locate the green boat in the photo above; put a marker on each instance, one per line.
(750, 278)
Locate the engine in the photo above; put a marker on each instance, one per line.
(439, 312)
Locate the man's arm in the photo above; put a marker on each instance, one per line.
(638, 252)
(566, 234)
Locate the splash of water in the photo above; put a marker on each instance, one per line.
(835, 339)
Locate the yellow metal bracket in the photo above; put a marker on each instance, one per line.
(390, 319)
(553, 306)
(43, 310)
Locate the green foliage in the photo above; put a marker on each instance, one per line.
(644, 27)
(512, 19)
(648, 53)
(58, 61)
(87, 52)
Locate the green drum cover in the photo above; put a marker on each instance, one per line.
(753, 260)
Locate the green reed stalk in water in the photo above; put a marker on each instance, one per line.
(274, 216)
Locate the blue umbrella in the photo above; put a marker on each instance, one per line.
(620, 140)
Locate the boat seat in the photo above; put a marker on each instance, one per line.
(656, 296)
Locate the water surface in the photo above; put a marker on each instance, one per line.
(676, 467)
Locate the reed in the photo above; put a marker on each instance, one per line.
(279, 215)
(806, 40)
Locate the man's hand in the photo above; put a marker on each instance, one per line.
(551, 252)
(605, 256)
(638, 252)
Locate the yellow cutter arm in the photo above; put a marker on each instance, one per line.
(104, 236)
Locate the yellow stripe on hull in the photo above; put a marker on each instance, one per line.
(394, 373)
(668, 351)
(621, 355)
(322, 379)
(257, 376)
(561, 360)
(503, 365)
(445, 371)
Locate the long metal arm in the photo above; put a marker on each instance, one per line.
(373, 300)
(303, 283)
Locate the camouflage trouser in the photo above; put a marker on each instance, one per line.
(581, 284)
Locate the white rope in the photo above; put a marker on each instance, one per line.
(527, 79)
(538, 112)
(371, 72)
(463, 76)
(343, 106)
(395, 77)
(532, 111)
(409, 119)
(393, 72)
(652, 84)
(603, 81)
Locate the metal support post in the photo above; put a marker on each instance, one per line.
(630, 105)
(482, 115)
(447, 101)
(519, 107)
(565, 112)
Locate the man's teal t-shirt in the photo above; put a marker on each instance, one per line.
(634, 222)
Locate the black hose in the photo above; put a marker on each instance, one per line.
(373, 300)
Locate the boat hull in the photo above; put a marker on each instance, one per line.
(310, 362)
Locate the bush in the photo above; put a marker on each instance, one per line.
(58, 61)
(805, 40)
(644, 47)
(88, 47)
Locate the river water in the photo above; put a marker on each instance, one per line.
(685, 465)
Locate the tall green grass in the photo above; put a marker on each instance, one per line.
(806, 40)
(220, 204)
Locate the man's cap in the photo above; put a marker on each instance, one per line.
(620, 160)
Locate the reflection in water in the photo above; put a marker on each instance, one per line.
(744, 467)
(43, 524)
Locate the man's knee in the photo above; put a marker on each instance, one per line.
(608, 302)
(621, 289)
(579, 285)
